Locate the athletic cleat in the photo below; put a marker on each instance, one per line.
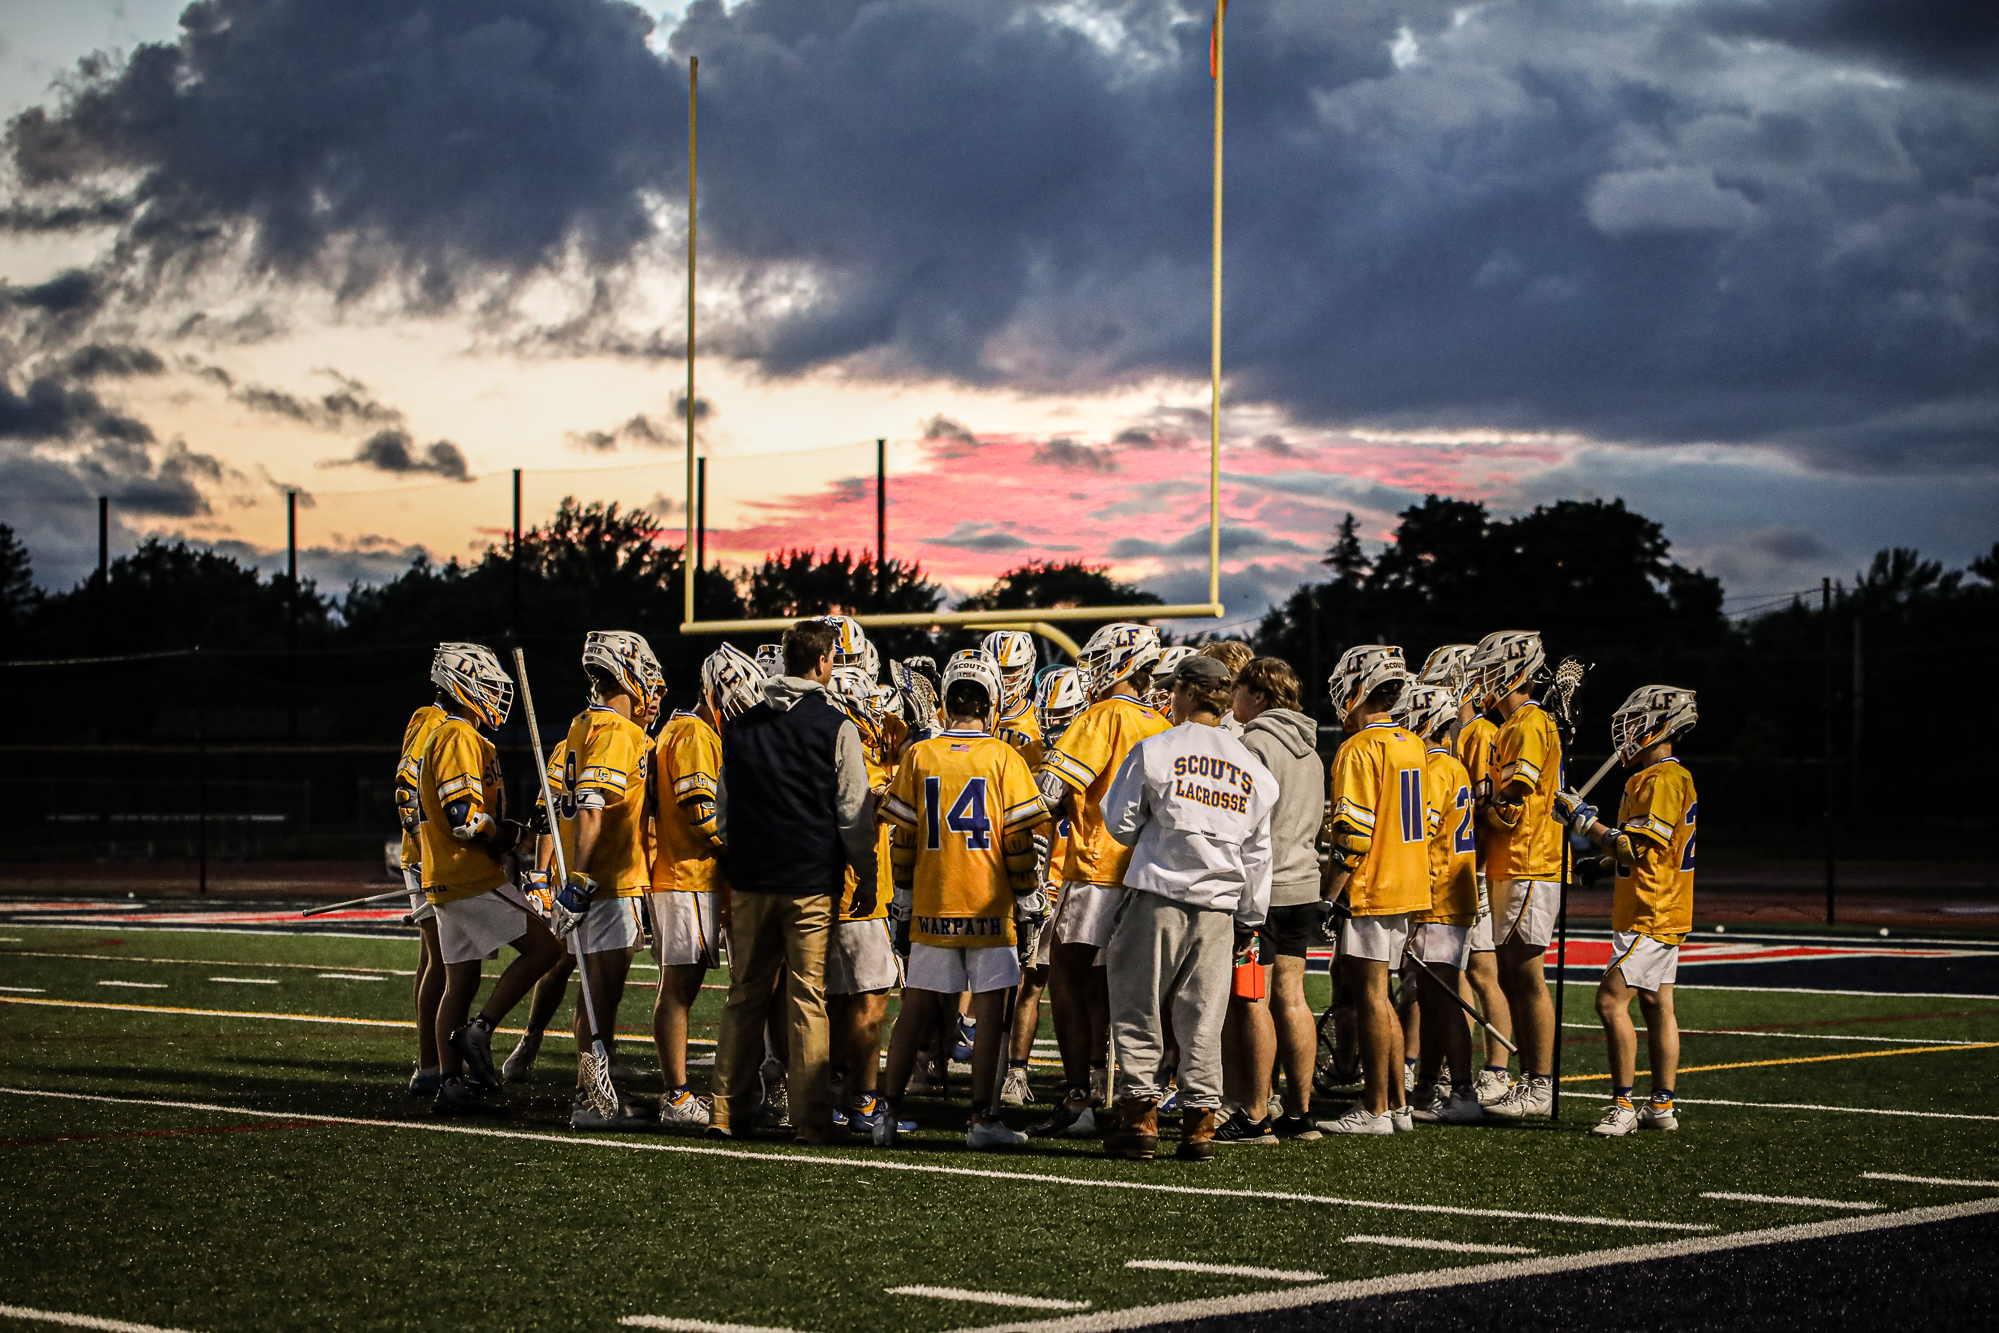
(927, 1078)
(1532, 1097)
(1658, 1115)
(1619, 1119)
(968, 1032)
(1360, 1120)
(520, 1064)
(426, 1082)
(474, 1044)
(583, 1115)
(1171, 1102)
(1014, 1091)
(462, 1096)
(1069, 1121)
(1403, 1119)
(1492, 1085)
(1100, 1086)
(1452, 1108)
(1239, 1130)
(681, 1109)
(992, 1134)
(776, 1110)
(1298, 1127)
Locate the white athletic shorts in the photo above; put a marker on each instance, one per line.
(1440, 945)
(1481, 929)
(686, 929)
(1524, 909)
(420, 908)
(474, 928)
(954, 971)
(1086, 913)
(1378, 938)
(610, 926)
(861, 958)
(1646, 963)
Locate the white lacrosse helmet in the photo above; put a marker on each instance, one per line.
(1013, 650)
(472, 675)
(1426, 709)
(1652, 714)
(871, 663)
(853, 691)
(850, 641)
(919, 696)
(977, 666)
(887, 701)
(627, 659)
(1504, 661)
(1116, 652)
(1362, 671)
(1058, 697)
(1162, 669)
(1450, 667)
(770, 660)
(731, 682)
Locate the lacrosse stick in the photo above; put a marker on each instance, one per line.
(357, 902)
(1459, 1000)
(1005, 1042)
(596, 1061)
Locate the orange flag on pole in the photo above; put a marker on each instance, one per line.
(1215, 40)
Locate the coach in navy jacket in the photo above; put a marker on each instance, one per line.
(796, 813)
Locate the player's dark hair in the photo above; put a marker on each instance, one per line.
(1383, 696)
(603, 685)
(1139, 682)
(1273, 678)
(805, 643)
(967, 698)
(1208, 698)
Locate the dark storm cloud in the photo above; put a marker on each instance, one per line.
(1234, 542)
(112, 361)
(1064, 452)
(1734, 221)
(350, 406)
(393, 451)
(979, 537)
(50, 408)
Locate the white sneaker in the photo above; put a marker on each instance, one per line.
(1100, 1086)
(1404, 1118)
(1530, 1097)
(586, 1116)
(1434, 1112)
(992, 1134)
(1459, 1108)
(1620, 1119)
(1492, 1084)
(683, 1108)
(1656, 1115)
(1015, 1092)
(520, 1064)
(1408, 1077)
(1360, 1121)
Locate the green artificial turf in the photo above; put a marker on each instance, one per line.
(235, 1221)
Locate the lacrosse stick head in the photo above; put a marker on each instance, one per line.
(597, 1083)
(1562, 691)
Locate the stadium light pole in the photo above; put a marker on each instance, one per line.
(103, 540)
(693, 142)
(881, 524)
(1825, 813)
(1215, 68)
(515, 552)
(291, 605)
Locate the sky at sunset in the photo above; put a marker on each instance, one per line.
(1735, 261)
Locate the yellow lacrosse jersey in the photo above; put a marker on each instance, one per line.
(1087, 758)
(1378, 792)
(1527, 749)
(1474, 751)
(1655, 897)
(1023, 732)
(686, 760)
(457, 765)
(611, 756)
(409, 803)
(874, 755)
(964, 806)
(1451, 819)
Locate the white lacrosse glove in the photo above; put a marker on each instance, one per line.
(1032, 906)
(572, 900)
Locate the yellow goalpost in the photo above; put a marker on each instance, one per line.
(1035, 619)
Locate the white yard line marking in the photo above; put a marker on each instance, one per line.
(347, 976)
(1790, 1200)
(25, 990)
(1803, 1036)
(1229, 1270)
(1437, 1279)
(1929, 1180)
(10, 939)
(876, 1164)
(695, 1325)
(1800, 1106)
(989, 1298)
(80, 1320)
(248, 981)
(1454, 1246)
(136, 985)
(1804, 990)
(205, 962)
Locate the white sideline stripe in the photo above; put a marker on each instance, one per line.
(1454, 1246)
(1928, 1180)
(25, 990)
(1228, 1270)
(1790, 1200)
(80, 1320)
(1803, 990)
(1802, 1036)
(346, 976)
(872, 1163)
(989, 1298)
(136, 985)
(1438, 1279)
(695, 1325)
(248, 981)
(1801, 1106)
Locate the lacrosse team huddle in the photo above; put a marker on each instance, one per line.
(1147, 841)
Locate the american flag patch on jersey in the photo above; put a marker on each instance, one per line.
(961, 749)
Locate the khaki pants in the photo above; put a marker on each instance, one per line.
(769, 933)
(1168, 957)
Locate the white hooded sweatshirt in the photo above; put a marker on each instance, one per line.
(1194, 805)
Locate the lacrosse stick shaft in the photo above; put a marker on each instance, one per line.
(1597, 776)
(1561, 981)
(1459, 1001)
(1005, 1046)
(356, 902)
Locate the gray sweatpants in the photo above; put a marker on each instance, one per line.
(1166, 957)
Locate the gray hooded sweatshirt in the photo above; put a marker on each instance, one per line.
(1287, 743)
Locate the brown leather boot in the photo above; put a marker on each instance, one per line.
(1137, 1134)
(1197, 1136)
